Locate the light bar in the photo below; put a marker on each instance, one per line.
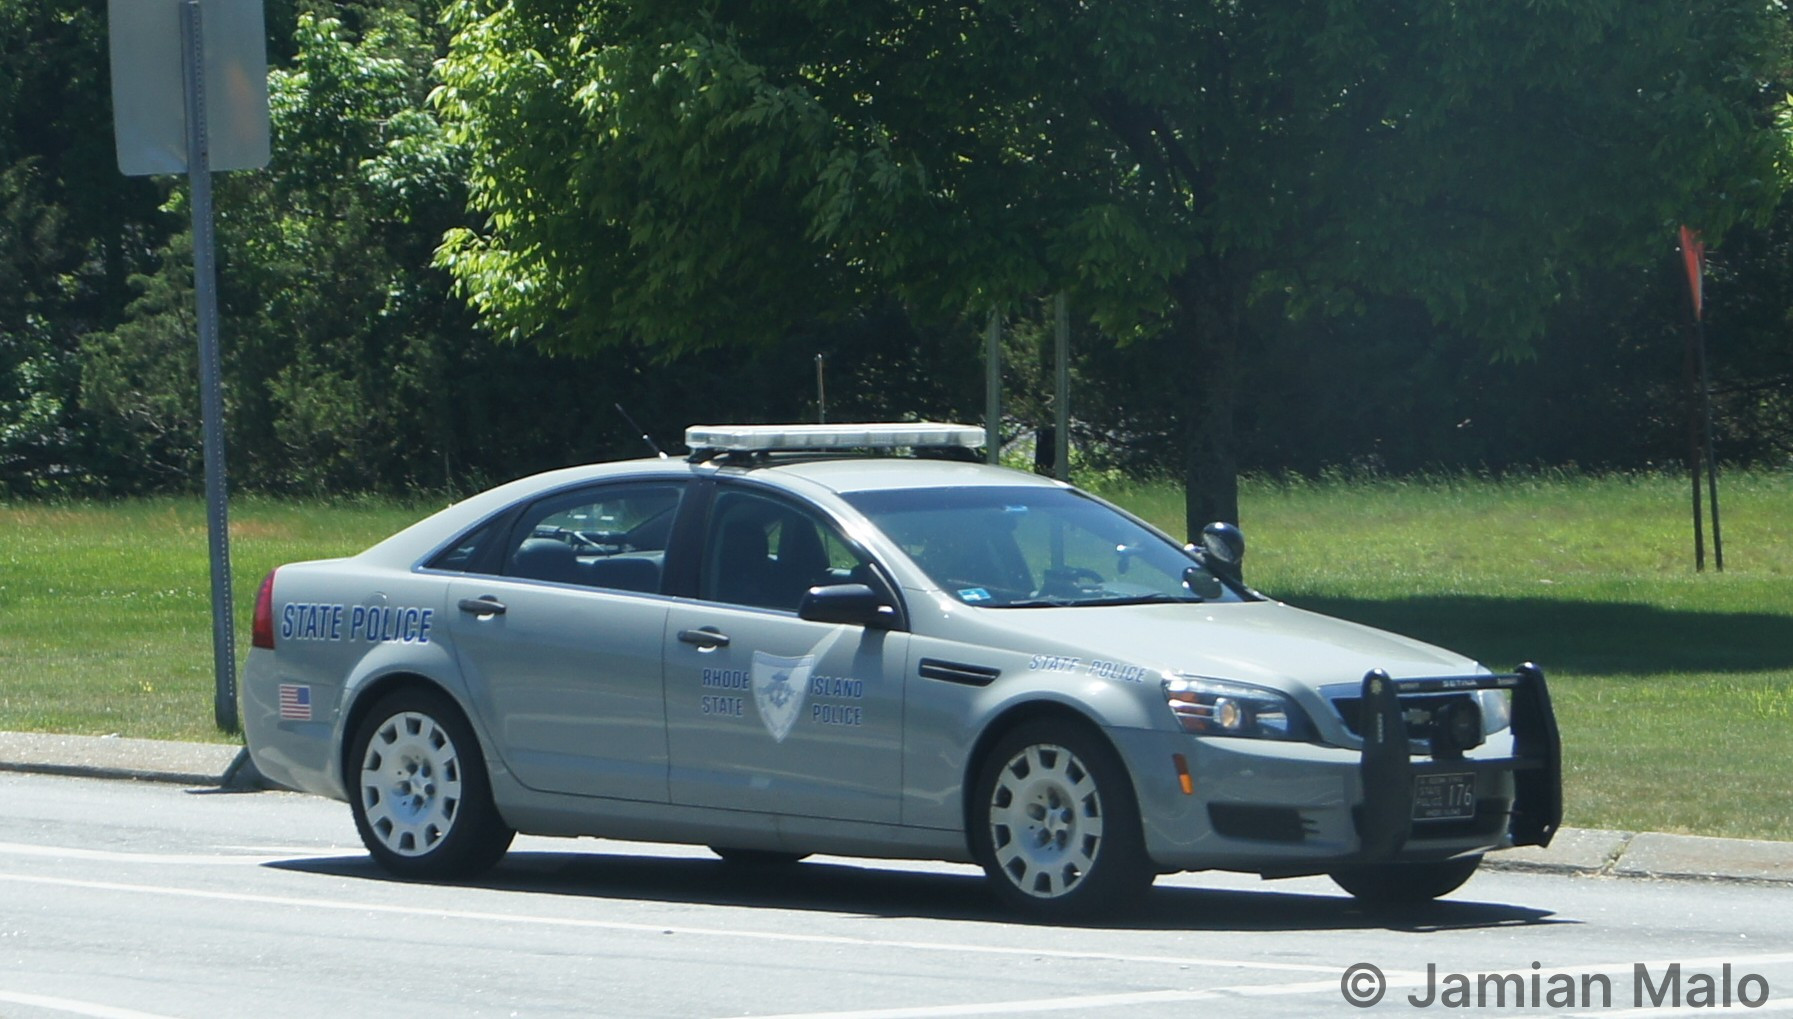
(770, 438)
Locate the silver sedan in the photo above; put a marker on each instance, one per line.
(858, 640)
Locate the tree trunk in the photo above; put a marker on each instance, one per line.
(1207, 328)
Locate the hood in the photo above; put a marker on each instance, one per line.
(1267, 643)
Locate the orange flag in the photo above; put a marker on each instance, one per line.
(1693, 255)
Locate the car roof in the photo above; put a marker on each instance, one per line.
(840, 475)
(846, 475)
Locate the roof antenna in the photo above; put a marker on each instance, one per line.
(651, 444)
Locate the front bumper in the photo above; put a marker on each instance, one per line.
(1283, 809)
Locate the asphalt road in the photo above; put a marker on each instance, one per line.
(124, 899)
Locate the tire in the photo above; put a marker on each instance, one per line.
(419, 790)
(1055, 824)
(757, 857)
(1406, 884)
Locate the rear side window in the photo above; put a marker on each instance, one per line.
(610, 536)
(463, 553)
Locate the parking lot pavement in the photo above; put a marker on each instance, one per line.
(1586, 851)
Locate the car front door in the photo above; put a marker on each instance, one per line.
(769, 712)
(562, 649)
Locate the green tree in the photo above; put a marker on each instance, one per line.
(340, 342)
(1749, 316)
(693, 173)
(72, 230)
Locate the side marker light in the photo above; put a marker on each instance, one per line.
(1183, 778)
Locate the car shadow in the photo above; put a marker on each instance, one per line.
(872, 891)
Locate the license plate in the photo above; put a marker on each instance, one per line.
(1443, 797)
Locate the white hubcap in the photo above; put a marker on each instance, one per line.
(1045, 820)
(410, 783)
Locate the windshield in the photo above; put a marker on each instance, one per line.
(1035, 547)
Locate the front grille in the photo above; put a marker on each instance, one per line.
(1418, 709)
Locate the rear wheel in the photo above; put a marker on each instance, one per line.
(1055, 825)
(419, 790)
(1395, 884)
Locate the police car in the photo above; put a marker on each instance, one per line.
(859, 640)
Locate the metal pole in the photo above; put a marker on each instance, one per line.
(993, 389)
(1690, 376)
(1061, 393)
(211, 399)
(821, 395)
(1718, 542)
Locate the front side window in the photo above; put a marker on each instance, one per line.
(766, 553)
(1036, 547)
(612, 536)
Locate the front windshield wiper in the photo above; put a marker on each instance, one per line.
(1152, 598)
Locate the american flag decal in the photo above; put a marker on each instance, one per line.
(295, 702)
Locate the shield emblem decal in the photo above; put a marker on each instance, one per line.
(780, 686)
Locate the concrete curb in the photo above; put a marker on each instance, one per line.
(212, 765)
(1588, 852)
(1655, 855)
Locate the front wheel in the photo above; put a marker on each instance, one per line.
(1405, 884)
(1055, 824)
(419, 791)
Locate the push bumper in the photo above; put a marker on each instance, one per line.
(1385, 819)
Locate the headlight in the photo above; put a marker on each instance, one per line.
(1497, 710)
(1213, 707)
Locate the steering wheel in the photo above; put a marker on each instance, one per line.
(1075, 579)
(600, 540)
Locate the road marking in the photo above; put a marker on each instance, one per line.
(655, 928)
(75, 1007)
(288, 852)
(113, 856)
(1396, 978)
(1077, 1004)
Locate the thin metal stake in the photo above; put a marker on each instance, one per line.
(1061, 393)
(993, 389)
(1718, 542)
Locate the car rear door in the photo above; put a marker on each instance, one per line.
(561, 649)
(769, 712)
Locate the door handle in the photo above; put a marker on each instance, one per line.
(705, 638)
(484, 606)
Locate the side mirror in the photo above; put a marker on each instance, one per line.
(1223, 545)
(853, 604)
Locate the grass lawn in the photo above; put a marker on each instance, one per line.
(1674, 689)
(105, 608)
